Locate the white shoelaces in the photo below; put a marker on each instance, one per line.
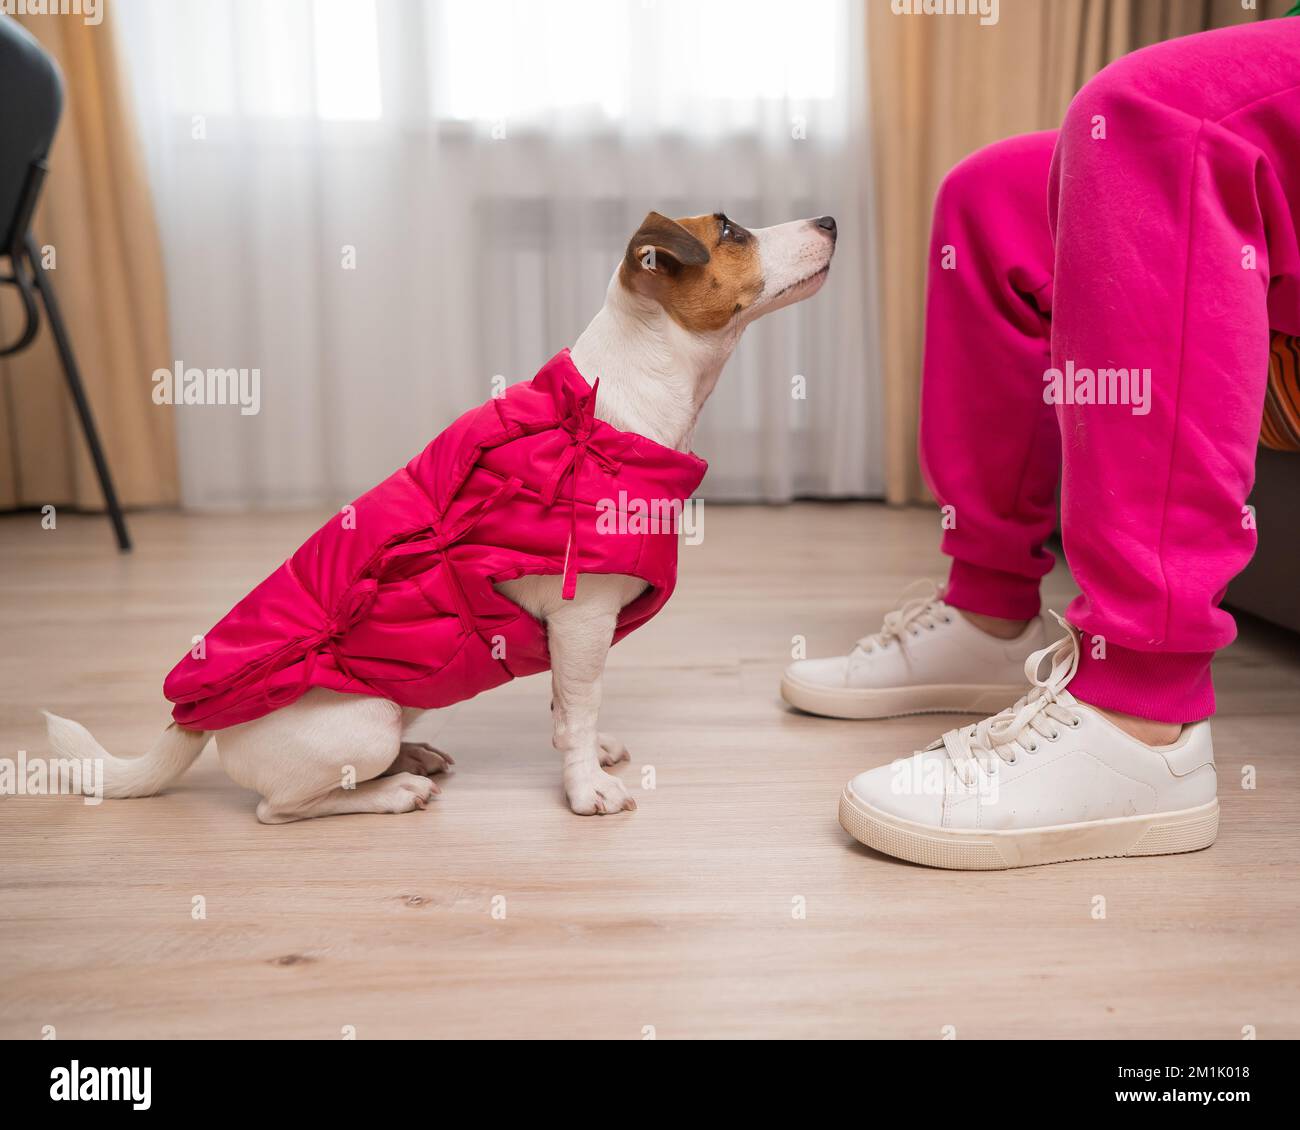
(912, 614)
(1040, 714)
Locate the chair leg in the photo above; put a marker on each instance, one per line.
(75, 387)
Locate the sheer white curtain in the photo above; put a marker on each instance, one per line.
(383, 205)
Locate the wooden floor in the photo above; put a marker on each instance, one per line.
(682, 918)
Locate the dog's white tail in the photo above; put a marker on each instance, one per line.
(169, 757)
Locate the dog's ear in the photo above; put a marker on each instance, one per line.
(663, 245)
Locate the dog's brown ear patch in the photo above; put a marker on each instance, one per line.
(702, 280)
(661, 244)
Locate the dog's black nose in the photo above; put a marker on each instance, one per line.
(827, 224)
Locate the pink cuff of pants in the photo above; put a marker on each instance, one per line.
(991, 592)
(1165, 686)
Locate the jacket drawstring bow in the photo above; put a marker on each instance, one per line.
(580, 423)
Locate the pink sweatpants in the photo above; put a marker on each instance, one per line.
(1155, 231)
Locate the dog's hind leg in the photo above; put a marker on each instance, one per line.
(420, 758)
(320, 756)
(401, 792)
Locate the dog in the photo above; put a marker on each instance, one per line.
(674, 311)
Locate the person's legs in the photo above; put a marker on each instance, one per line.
(990, 450)
(1173, 187)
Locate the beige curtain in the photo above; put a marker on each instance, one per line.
(97, 215)
(942, 87)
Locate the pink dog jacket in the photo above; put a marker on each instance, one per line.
(395, 597)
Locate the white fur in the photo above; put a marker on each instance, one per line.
(330, 753)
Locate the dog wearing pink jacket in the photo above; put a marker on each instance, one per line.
(484, 558)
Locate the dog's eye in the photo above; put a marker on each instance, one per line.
(733, 232)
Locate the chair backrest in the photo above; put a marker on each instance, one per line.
(31, 98)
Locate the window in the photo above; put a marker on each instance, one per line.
(663, 63)
(520, 60)
(347, 59)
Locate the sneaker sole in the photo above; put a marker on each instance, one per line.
(895, 702)
(1160, 833)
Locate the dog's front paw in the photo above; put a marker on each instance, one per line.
(612, 751)
(598, 794)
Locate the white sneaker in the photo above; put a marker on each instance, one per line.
(926, 659)
(1046, 780)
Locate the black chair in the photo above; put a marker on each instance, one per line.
(31, 98)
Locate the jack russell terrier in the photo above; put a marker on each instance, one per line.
(461, 570)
